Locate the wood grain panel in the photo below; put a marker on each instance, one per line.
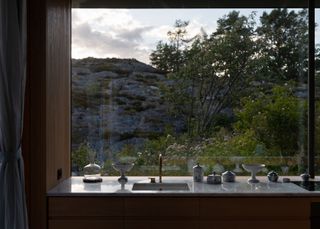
(58, 90)
(85, 224)
(85, 206)
(160, 224)
(36, 74)
(254, 224)
(161, 207)
(47, 129)
(257, 208)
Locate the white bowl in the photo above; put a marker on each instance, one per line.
(122, 167)
(254, 169)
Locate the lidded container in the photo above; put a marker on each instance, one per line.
(228, 176)
(273, 176)
(305, 176)
(197, 173)
(92, 171)
(214, 178)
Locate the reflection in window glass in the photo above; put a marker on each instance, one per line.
(216, 86)
(317, 116)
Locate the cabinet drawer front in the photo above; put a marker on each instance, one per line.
(159, 206)
(85, 224)
(248, 224)
(160, 224)
(257, 208)
(85, 206)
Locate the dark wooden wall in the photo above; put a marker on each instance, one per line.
(46, 139)
(58, 58)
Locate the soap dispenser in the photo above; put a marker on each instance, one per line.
(197, 173)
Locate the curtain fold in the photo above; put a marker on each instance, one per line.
(13, 213)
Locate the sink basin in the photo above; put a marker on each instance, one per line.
(160, 187)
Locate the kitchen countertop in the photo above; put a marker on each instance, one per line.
(74, 186)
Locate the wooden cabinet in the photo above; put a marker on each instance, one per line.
(85, 213)
(257, 208)
(85, 207)
(160, 213)
(159, 208)
(179, 212)
(160, 224)
(263, 212)
(254, 224)
(85, 224)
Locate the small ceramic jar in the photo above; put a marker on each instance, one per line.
(305, 176)
(214, 178)
(197, 173)
(273, 176)
(228, 176)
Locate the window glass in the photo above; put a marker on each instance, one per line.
(220, 87)
(317, 115)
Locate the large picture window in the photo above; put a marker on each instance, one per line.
(317, 85)
(218, 87)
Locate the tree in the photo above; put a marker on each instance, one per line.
(215, 70)
(278, 120)
(169, 56)
(163, 57)
(317, 56)
(317, 65)
(283, 40)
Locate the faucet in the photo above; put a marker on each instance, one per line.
(160, 168)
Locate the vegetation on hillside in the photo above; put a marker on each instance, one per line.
(241, 92)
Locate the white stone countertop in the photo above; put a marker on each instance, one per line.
(74, 186)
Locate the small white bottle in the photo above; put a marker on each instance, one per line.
(197, 173)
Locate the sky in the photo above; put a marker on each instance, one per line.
(134, 33)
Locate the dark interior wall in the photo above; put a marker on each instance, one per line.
(58, 111)
(34, 126)
(46, 139)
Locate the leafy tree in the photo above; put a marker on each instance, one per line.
(317, 55)
(283, 39)
(169, 56)
(317, 65)
(177, 36)
(277, 119)
(215, 70)
(163, 58)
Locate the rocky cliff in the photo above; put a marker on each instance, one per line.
(116, 102)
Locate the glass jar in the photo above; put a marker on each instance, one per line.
(92, 171)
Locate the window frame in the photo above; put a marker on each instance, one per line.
(311, 5)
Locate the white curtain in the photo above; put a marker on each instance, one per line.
(13, 213)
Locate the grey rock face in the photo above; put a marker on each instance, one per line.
(117, 103)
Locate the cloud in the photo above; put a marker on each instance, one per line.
(117, 33)
(117, 42)
(134, 35)
(108, 33)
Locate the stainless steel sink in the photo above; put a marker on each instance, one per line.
(160, 187)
